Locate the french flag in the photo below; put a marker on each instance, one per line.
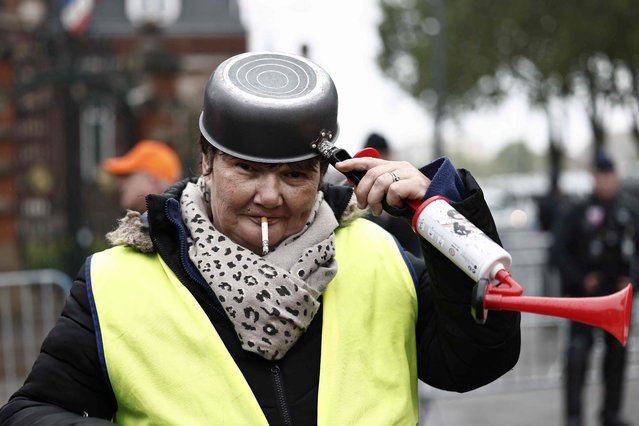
(75, 15)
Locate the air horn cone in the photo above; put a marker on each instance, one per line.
(611, 313)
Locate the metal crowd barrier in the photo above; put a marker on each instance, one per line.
(30, 304)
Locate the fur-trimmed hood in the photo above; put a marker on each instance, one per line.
(133, 228)
(133, 231)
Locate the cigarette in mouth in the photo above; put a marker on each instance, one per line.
(264, 236)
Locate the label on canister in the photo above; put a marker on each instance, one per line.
(459, 240)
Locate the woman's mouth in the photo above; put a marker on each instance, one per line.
(258, 219)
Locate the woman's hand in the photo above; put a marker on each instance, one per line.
(397, 180)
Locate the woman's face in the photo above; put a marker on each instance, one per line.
(242, 192)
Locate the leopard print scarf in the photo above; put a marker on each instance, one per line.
(270, 299)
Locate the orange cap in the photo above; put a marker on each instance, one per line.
(149, 156)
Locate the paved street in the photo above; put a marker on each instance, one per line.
(531, 394)
(520, 408)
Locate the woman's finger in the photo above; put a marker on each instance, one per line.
(373, 167)
(394, 180)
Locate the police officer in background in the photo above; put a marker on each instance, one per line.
(596, 246)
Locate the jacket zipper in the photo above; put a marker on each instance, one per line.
(278, 382)
(280, 395)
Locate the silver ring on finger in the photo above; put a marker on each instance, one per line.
(394, 176)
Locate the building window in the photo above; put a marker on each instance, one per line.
(97, 137)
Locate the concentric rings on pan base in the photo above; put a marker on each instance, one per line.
(268, 107)
(272, 76)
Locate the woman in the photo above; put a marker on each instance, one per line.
(255, 294)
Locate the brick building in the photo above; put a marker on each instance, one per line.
(73, 94)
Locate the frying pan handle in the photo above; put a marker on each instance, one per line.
(355, 176)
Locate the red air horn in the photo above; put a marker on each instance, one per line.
(611, 313)
(486, 262)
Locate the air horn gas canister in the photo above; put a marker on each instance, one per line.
(487, 263)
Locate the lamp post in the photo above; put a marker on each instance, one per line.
(153, 13)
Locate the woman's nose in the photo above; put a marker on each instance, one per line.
(268, 191)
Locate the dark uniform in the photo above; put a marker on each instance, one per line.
(599, 238)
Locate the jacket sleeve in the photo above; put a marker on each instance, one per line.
(66, 385)
(454, 352)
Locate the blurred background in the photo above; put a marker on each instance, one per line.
(521, 93)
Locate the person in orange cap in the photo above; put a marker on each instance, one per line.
(148, 168)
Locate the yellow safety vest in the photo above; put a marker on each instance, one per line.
(167, 364)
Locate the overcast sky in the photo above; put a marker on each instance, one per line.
(342, 38)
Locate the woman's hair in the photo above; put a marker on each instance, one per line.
(209, 152)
